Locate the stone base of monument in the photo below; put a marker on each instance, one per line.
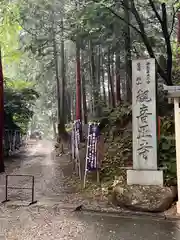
(153, 199)
(145, 177)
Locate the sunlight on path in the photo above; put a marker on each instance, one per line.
(34, 149)
(38, 161)
(41, 222)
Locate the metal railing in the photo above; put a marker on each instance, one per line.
(19, 188)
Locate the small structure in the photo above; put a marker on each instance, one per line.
(174, 93)
(145, 170)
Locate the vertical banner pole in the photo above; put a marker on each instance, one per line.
(72, 144)
(97, 165)
(77, 141)
(6, 188)
(159, 128)
(75, 147)
(85, 168)
(33, 189)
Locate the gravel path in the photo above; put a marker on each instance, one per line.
(51, 175)
(44, 223)
(52, 217)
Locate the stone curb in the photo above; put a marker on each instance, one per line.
(96, 210)
(126, 213)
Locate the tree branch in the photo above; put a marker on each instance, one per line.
(146, 41)
(173, 20)
(168, 43)
(155, 10)
(142, 33)
(118, 16)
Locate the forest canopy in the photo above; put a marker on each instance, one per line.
(50, 45)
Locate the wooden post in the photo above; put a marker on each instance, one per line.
(177, 135)
(97, 161)
(85, 168)
(159, 128)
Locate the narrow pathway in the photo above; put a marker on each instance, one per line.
(44, 222)
(50, 174)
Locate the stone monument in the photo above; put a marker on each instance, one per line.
(144, 170)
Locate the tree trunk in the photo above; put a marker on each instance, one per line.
(78, 89)
(78, 80)
(117, 57)
(118, 94)
(54, 126)
(2, 169)
(98, 68)
(78, 84)
(94, 83)
(90, 103)
(56, 62)
(168, 42)
(109, 90)
(113, 75)
(103, 82)
(90, 107)
(111, 81)
(128, 66)
(85, 116)
(98, 80)
(61, 124)
(68, 104)
(83, 85)
(73, 111)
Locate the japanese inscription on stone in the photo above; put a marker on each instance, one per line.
(144, 114)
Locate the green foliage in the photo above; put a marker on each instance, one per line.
(18, 84)
(121, 115)
(167, 126)
(9, 32)
(164, 108)
(116, 125)
(18, 104)
(118, 155)
(118, 117)
(19, 97)
(167, 150)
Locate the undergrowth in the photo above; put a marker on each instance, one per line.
(117, 129)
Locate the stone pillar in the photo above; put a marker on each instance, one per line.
(177, 134)
(144, 125)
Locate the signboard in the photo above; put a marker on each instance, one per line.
(91, 155)
(77, 130)
(73, 141)
(144, 114)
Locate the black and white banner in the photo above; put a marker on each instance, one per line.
(91, 154)
(75, 137)
(77, 131)
(73, 141)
